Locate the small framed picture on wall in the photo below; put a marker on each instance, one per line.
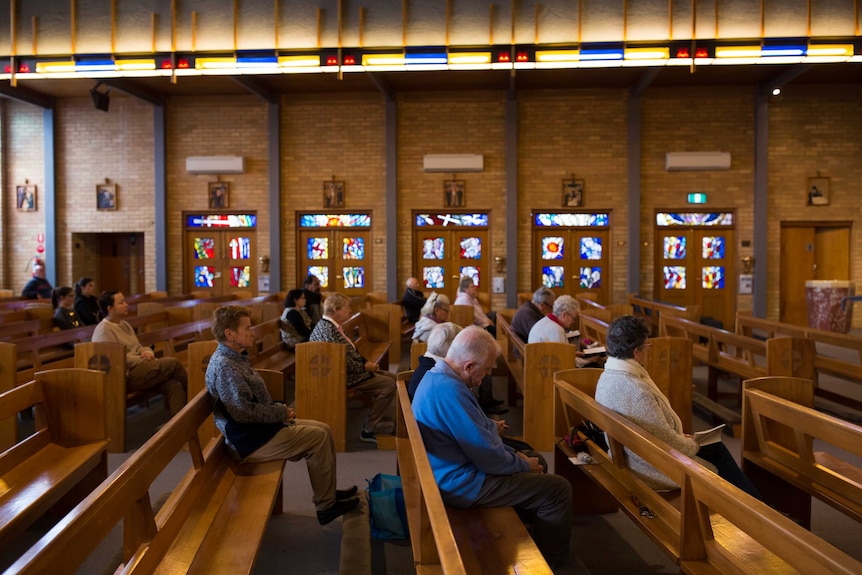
(26, 198)
(573, 193)
(106, 197)
(333, 194)
(218, 195)
(818, 191)
(453, 194)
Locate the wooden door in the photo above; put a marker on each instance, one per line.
(810, 251)
(446, 255)
(121, 263)
(220, 251)
(340, 258)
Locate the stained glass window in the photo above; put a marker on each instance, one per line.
(471, 220)
(354, 277)
(599, 220)
(204, 248)
(713, 247)
(318, 248)
(674, 277)
(591, 248)
(240, 248)
(674, 247)
(552, 276)
(433, 277)
(471, 272)
(713, 277)
(221, 221)
(433, 248)
(240, 276)
(552, 248)
(204, 276)
(471, 248)
(354, 248)
(664, 219)
(591, 277)
(322, 273)
(335, 221)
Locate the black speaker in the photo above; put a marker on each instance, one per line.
(101, 100)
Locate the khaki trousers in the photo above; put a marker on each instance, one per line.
(165, 374)
(381, 386)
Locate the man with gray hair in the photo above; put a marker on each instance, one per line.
(532, 311)
(472, 466)
(554, 326)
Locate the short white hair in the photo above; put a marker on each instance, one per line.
(441, 338)
(566, 303)
(473, 344)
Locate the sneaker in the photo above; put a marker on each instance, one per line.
(367, 437)
(338, 509)
(342, 494)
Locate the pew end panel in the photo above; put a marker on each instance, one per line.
(417, 350)
(461, 315)
(321, 386)
(669, 363)
(199, 358)
(109, 358)
(541, 362)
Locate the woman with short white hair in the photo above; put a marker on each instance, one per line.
(434, 312)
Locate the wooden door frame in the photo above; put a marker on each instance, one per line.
(188, 284)
(302, 273)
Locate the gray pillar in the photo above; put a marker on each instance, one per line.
(160, 199)
(273, 125)
(634, 195)
(761, 193)
(391, 154)
(50, 196)
(512, 199)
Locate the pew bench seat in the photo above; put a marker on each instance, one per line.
(270, 351)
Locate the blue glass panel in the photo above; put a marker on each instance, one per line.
(433, 248)
(674, 277)
(240, 276)
(553, 248)
(713, 277)
(335, 221)
(664, 219)
(322, 273)
(318, 248)
(471, 248)
(552, 276)
(204, 276)
(221, 221)
(471, 272)
(471, 220)
(674, 247)
(591, 277)
(434, 277)
(598, 220)
(591, 248)
(240, 248)
(354, 277)
(204, 248)
(713, 247)
(353, 248)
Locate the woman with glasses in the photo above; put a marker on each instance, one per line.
(627, 388)
(434, 312)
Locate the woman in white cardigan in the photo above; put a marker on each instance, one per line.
(626, 387)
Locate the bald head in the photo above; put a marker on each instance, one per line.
(413, 283)
(473, 354)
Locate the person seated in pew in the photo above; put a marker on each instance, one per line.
(313, 298)
(86, 302)
(434, 312)
(472, 466)
(362, 374)
(63, 300)
(532, 311)
(627, 388)
(295, 322)
(439, 343)
(143, 370)
(413, 300)
(553, 327)
(256, 428)
(38, 287)
(467, 296)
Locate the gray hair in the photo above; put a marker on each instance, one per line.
(334, 302)
(566, 303)
(465, 282)
(544, 295)
(472, 344)
(441, 338)
(434, 301)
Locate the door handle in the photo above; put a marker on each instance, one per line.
(454, 277)
(217, 275)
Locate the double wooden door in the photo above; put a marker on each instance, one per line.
(220, 253)
(339, 257)
(573, 261)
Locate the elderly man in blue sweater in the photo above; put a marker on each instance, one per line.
(471, 465)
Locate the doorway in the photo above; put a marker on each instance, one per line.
(115, 260)
(336, 247)
(219, 253)
(810, 251)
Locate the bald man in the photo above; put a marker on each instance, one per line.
(413, 300)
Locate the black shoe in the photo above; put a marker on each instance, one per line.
(495, 409)
(338, 509)
(368, 437)
(496, 402)
(342, 494)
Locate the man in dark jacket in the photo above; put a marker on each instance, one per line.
(413, 300)
(532, 311)
(38, 287)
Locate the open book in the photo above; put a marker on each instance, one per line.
(709, 436)
(591, 351)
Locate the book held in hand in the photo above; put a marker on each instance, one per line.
(709, 436)
(594, 351)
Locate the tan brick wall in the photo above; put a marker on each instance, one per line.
(325, 136)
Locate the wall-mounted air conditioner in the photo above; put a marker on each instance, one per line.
(683, 161)
(454, 162)
(215, 165)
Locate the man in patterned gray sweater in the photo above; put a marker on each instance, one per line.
(258, 429)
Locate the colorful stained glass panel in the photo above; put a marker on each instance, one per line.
(552, 276)
(240, 248)
(591, 248)
(591, 277)
(354, 277)
(434, 277)
(471, 272)
(335, 221)
(322, 273)
(552, 248)
(353, 248)
(471, 248)
(204, 248)
(471, 220)
(221, 221)
(204, 276)
(674, 277)
(240, 276)
(713, 277)
(674, 247)
(598, 220)
(713, 247)
(706, 219)
(318, 248)
(433, 248)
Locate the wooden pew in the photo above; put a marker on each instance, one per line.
(417, 350)
(512, 351)
(778, 433)
(64, 459)
(541, 361)
(461, 315)
(708, 526)
(25, 328)
(652, 311)
(456, 541)
(213, 521)
(606, 313)
(593, 328)
(269, 351)
(668, 362)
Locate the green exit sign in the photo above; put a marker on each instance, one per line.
(697, 198)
